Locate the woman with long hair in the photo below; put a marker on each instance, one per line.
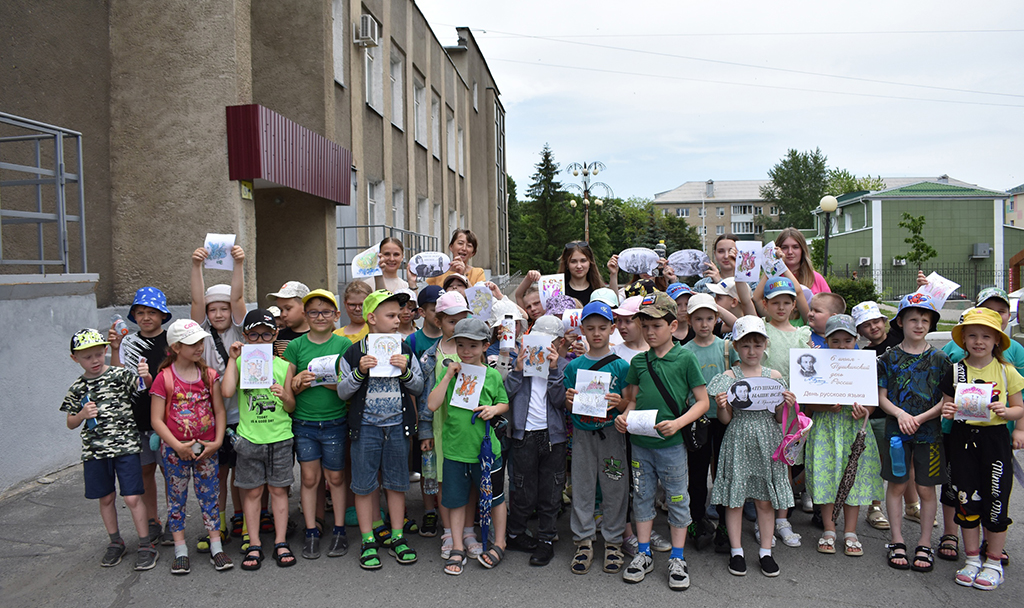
(793, 246)
(582, 276)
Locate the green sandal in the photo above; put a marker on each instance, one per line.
(369, 559)
(402, 552)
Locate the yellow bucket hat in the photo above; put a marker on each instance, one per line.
(981, 316)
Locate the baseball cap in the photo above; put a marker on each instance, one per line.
(153, 298)
(548, 325)
(675, 290)
(657, 305)
(291, 289)
(274, 310)
(86, 338)
(779, 286)
(981, 316)
(840, 323)
(451, 303)
(448, 280)
(217, 293)
(503, 307)
(185, 331)
(992, 292)
(605, 295)
(917, 300)
(257, 317)
(866, 311)
(472, 328)
(321, 293)
(380, 296)
(597, 308)
(640, 287)
(428, 295)
(746, 325)
(701, 300)
(725, 287)
(629, 306)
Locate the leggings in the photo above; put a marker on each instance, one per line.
(177, 473)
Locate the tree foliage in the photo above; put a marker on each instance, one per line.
(840, 181)
(797, 184)
(920, 250)
(854, 291)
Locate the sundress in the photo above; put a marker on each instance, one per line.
(827, 452)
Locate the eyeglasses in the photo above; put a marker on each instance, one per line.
(575, 244)
(320, 314)
(257, 336)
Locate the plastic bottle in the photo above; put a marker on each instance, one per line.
(119, 325)
(429, 470)
(897, 456)
(142, 382)
(661, 251)
(230, 435)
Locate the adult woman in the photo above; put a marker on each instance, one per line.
(390, 256)
(581, 274)
(724, 265)
(462, 246)
(793, 246)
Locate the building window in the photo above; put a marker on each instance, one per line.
(742, 227)
(453, 217)
(475, 98)
(451, 145)
(435, 124)
(375, 209)
(338, 28)
(1011, 204)
(773, 210)
(423, 215)
(719, 230)
(419, 102)
(397, 90)
(682, 212)
(759, 229)
(742, 209)
(435, 225)
(701, 212)
(398, 208)
(758, 210)
(720, 211)
(702, 230)
(374, 79)
(462, 154)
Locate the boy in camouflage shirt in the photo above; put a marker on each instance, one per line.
(102, 398)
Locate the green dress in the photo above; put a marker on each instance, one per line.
(745, 465)
(827, 452)
(776, 356)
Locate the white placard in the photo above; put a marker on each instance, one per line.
(972, 401)
(325, 370)
(218, 246)
(641, 422)
(383, 346)
(535, 361)
(689, 263)
(469, 385)
(550, 285)
(480, 301)
(257, 366)
(638, 260)
(939, 288)
(366, 263)
(507, 337)
(828, 376)
(571, 322)
(429, 264)
(771, 261)
(591, 388)
(748, 261)
(755, 394)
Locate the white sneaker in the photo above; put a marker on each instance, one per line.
(786, 533)
(757, 535)
(659, 543)
(637, 569)
(806, 504)
(678, 575)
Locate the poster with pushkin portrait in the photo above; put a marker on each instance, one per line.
(830, 376)
(756, 393)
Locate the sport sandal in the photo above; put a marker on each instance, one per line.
(583, 558)
(401, 551)
(949, 547)
(897, 551)
(990, 577)
(369, 558)
(455, 563)
(928, 558)
(965, 576)
(614, 559)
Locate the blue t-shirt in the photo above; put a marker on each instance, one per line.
(818, 341)
(617, 368)
(912, 384)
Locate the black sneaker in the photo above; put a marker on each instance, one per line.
(738, 565)
(339, 545)
(543, 554)
(155, 531)
(700, 533)
(429, 527)
(768, 566)
(146, 558)
(522, 542)
(721, 541)
(113, 555)
(311, 549)
(167, 539)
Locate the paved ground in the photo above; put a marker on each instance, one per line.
(51, 539)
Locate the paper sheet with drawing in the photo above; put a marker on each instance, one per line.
(749, 257)
(550, 285)
(325, 369)
(219, 248)
(480, 301)
(366, 263)
(383, 347)
(257, 366)
(535, 362)
(469, 385)
(972, 401)
(641, 422)
(591, 388)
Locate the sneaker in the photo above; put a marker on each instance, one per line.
(721, 541)
(757, 535)
(339, 545)
(543, 554)
(659, 543)
(630, 545)
(429, 527)
(311, 548)
(180, 566)
(637, 569)
(701, 533)
(521, 542)
(768, 566)
(155, 531)
(167, 539)
(712, 512)
(678, 575)
(146, 558)
(221, 562)
(786, 533)
(749, 512)
(806, 504)
(113, 555)
(738, 565)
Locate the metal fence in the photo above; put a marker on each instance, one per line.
(43, 147)
(353, 239)
(899, 281)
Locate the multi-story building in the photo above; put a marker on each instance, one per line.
(717, 208)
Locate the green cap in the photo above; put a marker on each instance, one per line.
(657, 305)
(380, 296)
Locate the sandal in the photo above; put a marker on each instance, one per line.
(990, 577)
(614, 559)
(853, 547)
(965, 576)
(928, 558)
(203, 544)
(410, 527)
(457, 560)
(369, 559)
(474, 548)
(897, 551)
(253, 562)
(876, 519)
(246, 543)
(584, 557)
(447, 544)
(266, 522)
(236, 524)
(912, 511)
(492, 557)
(1004, 559)
(400, 549)
(827, 543)
(281, 557)
(949, 547)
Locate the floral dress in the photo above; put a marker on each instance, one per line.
(745, 465)
(827, 452)
(776, 356)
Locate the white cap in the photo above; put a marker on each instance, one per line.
(291, 289)
(185, 331)
(218, 293)
(549, 325)
(866, 311)
(701, 300)
(603, 294)
(746, 325)
(725, 287)
(501, 308)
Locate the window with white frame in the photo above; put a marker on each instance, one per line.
(720, 211)
(758, 229)
(398, 208)
(453, 161)
(742, 209)
(375, 209)
(435, 226)
(453, 217)
(419, 101)
(435, 124)
(664, 213)
(462, 153)
(719, 230)
(682, 212)
(338, 29)
(423, 215)
(773, 210)
(375, 78)
(742, 227)
(397, 89)
(475, 98)
(758, 210)
(701, 212)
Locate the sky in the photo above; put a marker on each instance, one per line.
(665, 92)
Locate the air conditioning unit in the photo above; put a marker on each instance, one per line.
(899, 261)
(367, 31)
(980, 251)
(864, 262)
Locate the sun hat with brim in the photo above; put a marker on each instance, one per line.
(323, 294)
(291, 289)
(473, 328)
(981, 316)
(86, 338)
(549, 326)
(992, 292)
(153, 298)
(380, 296)
(603, 294)
(701, 300)
(866, 311)
(677, 290)
(185, 331)
(217, 293)
(502, 308)
(746, 325)
(840, 323)
(658, 305)
(917, 300)
(451, 303)
(629, 306)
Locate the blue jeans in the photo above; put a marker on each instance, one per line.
(669, 466)
(321, 440)
(384, 449)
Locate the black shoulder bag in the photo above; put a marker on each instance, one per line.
(695, 434)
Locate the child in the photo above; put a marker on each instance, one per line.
(599, 453)
(537, 428)
(822, 306)
(188, 415)
(746, 468)
(430, 333)
(143, 352)
(531, 303)
(910, 394)
(662, 458)
(353, 297)
(980, 450)
(289, 302)
(102, 398)
(625, 322)
(276, 312)
(463, 439)
(265, 440)
(319, 421)
(220, 310)
(456, 282)
(405, 316)
(681, 294)
(828, 446)
(381, 417)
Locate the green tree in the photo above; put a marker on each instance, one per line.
(797, 184)
(545, 222)
(920, 250)
(841, 181)
(817, 247)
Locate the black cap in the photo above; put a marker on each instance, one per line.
(258, 316)
(429, 295)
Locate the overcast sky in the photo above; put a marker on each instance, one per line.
(720, 90)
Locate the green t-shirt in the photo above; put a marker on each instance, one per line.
(261, 415)
(461, 439)
(317, 403)
(679, 372)
(617, 368)
(711, 360)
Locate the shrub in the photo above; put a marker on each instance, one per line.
(854, 291)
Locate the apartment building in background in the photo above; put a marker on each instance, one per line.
(717, 208)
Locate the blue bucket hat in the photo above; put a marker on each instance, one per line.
(153, 298)
(917, 300)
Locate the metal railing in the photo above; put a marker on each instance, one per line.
(353, 239)
(899, 281)
(40, 137)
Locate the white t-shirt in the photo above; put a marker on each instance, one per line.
(213, 359)
(616, 338)
(537, 415)
(625, 352)
(391, 285)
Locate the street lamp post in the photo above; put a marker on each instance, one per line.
(588, 170)
(828, 204)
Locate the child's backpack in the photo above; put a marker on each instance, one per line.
(791, 450)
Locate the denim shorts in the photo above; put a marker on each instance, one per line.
(669, 466)
(383, 449)
(460, 477)
(322, 440)
(100, 473)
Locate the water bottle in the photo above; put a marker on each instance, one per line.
(429, 470)
(230, 435)
(897, 456)
(90, 423)
(120, 327)
(142, 383)
(661, 251)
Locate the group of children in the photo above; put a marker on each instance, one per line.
(173, 399)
